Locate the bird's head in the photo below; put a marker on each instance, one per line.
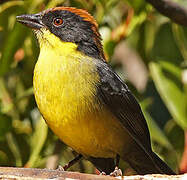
(67, 24)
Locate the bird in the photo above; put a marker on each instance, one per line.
(83, 101)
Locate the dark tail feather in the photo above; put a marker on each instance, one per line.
(106, 165)
(143, 163)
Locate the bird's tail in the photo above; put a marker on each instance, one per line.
(106, 165)
(147, 163)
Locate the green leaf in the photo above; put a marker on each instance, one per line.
(137, 5)
(109, 47)
(174, 133)
(137, 20)
(3, 158)
(181, 40)
(54, 3)
(155, 132)
(13, 42)
(37, 142)
(167, 78)
(5, 125)
(13, 145)
(164, 46)
(9, 4)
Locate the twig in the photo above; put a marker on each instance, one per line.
(172, 10)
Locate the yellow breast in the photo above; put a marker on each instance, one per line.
(65, 89)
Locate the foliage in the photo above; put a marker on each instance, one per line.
(140, 43)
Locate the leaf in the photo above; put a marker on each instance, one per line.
(3, 158)
(5, 125)
(181, 40)
(12, 143)
(138, 5)
(12, 43)
(167, 78)
(164, 46)
(9, 4)
(37, 142)
(174, 133)
(54, 3)
(137, 20)
(155, 132)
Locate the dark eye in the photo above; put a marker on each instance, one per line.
(57, 21)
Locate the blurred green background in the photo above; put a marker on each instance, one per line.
(145, 48)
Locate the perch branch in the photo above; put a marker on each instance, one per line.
(11, 173)
(172, 10)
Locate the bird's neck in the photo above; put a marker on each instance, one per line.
(92, 49)
(48, 40)
(64, 79)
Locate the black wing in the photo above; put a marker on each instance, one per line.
(119, 100)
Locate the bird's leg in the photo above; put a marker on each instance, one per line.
(117, 171)
(71, 163)
(102, 173)
(117, 160)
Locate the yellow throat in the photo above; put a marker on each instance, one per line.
(65, 88)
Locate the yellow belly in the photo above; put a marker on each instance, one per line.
(65, 89)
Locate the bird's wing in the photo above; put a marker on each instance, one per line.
(119, 100)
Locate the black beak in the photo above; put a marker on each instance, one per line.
(33, 21)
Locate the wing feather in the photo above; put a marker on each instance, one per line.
(119, 100)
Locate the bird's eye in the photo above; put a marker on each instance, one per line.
(57, 21)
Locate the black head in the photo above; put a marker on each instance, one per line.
(70, 25)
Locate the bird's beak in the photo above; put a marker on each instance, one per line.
(33, 21)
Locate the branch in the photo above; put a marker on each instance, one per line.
(10, 173)
(172, 10)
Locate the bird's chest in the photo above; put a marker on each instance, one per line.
(65, 95)
(63, 87)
